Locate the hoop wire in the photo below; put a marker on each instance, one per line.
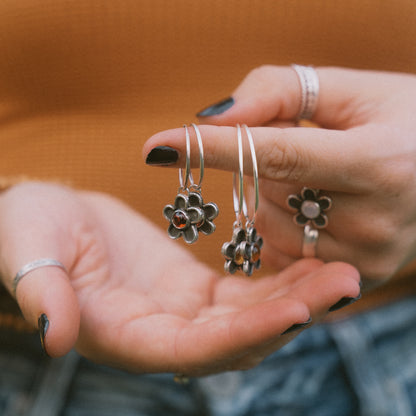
(239, 200)
(186, 181)
(255, 175)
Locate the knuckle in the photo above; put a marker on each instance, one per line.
(379, 256)
(378, 234)
(393, 177)
(389, 174)
(283, 161)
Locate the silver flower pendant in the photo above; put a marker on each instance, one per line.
(189, 215)
(243, 251)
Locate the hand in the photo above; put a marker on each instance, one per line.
(363, 157)
(133, 298)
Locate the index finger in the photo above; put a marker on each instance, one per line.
(326, 159)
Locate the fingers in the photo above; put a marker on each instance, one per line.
(274, 93)
(45, 295)
(313, 295)
(319, 158)
(345, 288)
(254, 329)
(47, 300)
(223, 332)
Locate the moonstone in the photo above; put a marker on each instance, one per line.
(310, 209)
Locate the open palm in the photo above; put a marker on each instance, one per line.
(132, 298)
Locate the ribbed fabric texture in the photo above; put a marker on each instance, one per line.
(84, 83)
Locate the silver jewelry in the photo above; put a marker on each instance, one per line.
(311, 214)
(189, 215)
(243, 251)
(309, 83)
(33, 265)
(310, 240)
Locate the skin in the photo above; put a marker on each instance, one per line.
(123, 304)
(361, 151)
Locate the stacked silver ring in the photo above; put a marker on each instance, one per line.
(309, 83)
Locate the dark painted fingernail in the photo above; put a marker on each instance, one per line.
(217, 108)
(295, 327)
(43, 325)
(344, 302)
(162, 155)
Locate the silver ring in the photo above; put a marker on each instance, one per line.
(310, 240)
(309, 83)
(27, 268)
(310, 213)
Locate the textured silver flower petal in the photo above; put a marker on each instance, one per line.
(190, 234)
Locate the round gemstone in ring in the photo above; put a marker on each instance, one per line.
(310, 209)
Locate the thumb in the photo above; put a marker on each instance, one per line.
(32, 228)
(46, 299)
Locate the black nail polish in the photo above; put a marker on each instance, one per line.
(162, 155)
(344, 302)
(217, 108)
(295, 327)
(43, 325)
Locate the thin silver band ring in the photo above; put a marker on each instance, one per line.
(309, 83)
(310, 240)
(33, 265)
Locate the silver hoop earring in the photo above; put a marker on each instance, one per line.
(189, 216)
(243, 251)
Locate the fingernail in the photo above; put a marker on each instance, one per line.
(295, 327)
(217, 108)
(162, 155)
(43, 325)
(344, 302)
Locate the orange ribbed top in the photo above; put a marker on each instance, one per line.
(84, 83)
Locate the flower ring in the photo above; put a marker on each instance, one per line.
(243, 252)
(311, 207)
(189, 215)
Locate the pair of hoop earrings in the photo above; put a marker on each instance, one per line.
(243, 251)
(189, 216)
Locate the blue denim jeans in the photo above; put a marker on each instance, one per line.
(365, 365)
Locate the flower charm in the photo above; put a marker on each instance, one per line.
(243, 252)
(310, 207)
(189, 215)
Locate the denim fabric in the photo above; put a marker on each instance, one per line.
(362, 366)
